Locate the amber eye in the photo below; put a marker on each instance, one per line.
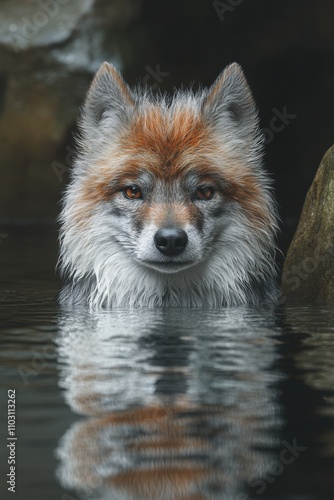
(204, 193)
(133, 192)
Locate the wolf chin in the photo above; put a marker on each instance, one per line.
(168, 203)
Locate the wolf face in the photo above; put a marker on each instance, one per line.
(168, 202)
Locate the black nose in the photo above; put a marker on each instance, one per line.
(170, 241)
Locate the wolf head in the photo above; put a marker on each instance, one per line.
(168, 202)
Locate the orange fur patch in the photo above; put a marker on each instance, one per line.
(167, 139)
(248, 194)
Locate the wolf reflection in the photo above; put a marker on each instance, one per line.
(178, 403)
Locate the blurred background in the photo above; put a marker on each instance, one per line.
(50, 49)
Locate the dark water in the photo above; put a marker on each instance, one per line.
(169, 404)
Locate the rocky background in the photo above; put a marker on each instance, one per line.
(49, 50)
(308, 273)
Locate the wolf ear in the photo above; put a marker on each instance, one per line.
(229, 104)
(108, 97)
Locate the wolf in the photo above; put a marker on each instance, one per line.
(168, 202)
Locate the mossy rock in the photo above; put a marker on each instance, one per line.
(308, 273)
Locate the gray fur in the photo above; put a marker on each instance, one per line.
(227, 263)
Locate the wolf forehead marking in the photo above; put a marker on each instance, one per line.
(164, 141)
(167, 134)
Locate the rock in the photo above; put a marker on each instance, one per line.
(308, 273)
(49, 51)
(36, 23)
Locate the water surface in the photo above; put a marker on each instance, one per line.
(229, 404)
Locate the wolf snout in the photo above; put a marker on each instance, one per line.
(170, 241)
